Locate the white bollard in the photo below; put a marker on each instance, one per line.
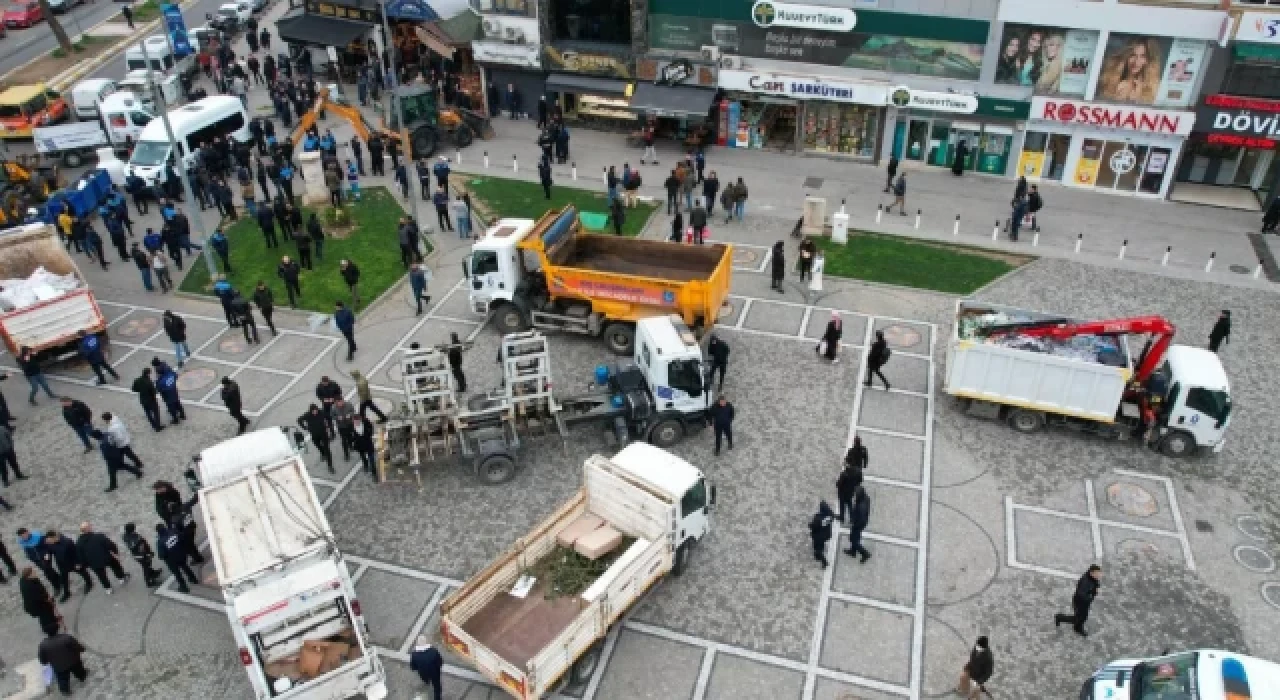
(604, 176)
(1257, 271)
(1079, 241)
(486, 159)
(1122, 248)
(995, 232)
(879, 212)
(1209, 265)
(955, 231)
(515, 164)
(1035, 240)
(457, 156)
(918, 213)
(842, 206)
(1164, 261)
(574, 167)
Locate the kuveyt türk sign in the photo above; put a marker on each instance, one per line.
(766, 13)
(1108, 116)
(1239, 121)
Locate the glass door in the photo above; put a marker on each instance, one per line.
(1055, 156)
(939, 146)
(1154, 170)
(917, 140)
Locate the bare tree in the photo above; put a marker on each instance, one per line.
(64, 41)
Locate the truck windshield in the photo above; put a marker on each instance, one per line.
(483, 262)
(150, 153)
(686, 375)
(36, 104)
(1169, 678)
(1215, 404)
(10, 111)
(227, 11)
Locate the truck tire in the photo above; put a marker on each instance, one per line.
(1178, 443)
(510, 319)
(1025, 420)
(463, 136)
(422, 142)
(620, 338)
(73, 159)
(585, 667)
(495, 469)
(666, 433)
(681, 562)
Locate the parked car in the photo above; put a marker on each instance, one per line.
(61, 6)
(22, 14)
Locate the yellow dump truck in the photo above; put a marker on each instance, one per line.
(549, 274)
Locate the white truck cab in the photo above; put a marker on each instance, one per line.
(669, 355)
(1205, 674)
(86, 95)
(494, 266)
(1197, 404)
(138, 83)
(679, 481)
(124, 116)
(162, 58)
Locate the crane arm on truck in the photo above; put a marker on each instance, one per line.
(1158, 327)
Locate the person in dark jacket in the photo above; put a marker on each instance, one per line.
(146, 391)
(99, 553)
(891, 171)
(977, 671)
(1221, 332)
(114, 458)
(173, 553)
(314, 423)
(962, 152)
(37, 602)
(316, 232)
(808, 251)
(167, 385)
(677, 228)
(1034, 204)
(878, 357)
(34, 372)
(698, 220)
(235, 405)
(243, 314)
(1086, 591)
(91, 351)
(718, 353)
(351, 276)
(418, 285)
(778, 266)
(77, 415)
(820, 532)
(290, 272)
(710, 187)
(829, 345)
(617, 215)
(182, 520)
(721, 418)
(346, 323)
(142, 553)
(544, 176)
(67, 559)
(846, 488)
(167, 499)
(672, 185)
(857, 456)
(62, 653)
(859, 515)
(426, 661)
(362, 443)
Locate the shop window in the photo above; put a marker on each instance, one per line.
(1253, 78)
(846, 129)
(605, 21)
(521, 8)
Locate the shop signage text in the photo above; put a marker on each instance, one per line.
(1152, 121)
(803, 88)
(526, 55)
(675, 72)
(766, 13)
(1233, 102)
(1239, 121)
(936, 101)
(1260, 27)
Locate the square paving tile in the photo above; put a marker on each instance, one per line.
(1118, 542)
(436, 332)
(391, 604)
(827, 689)
(855, 326)
(894, 457)
(905, 336)
(230, 346)
(736, 678)
(867, 642)
(1133, 500)
(895, 511)
(111, 312)
(906, 372)
(256, 388)
(289, 352)
(774, 318)
(901, 413)
(1049, 541)
(136, 327)
(456, 305)
(198, 332)
(317, 467)
(631, 670)
(323, 492)
(888, 576)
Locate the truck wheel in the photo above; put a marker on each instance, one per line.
(73, 159)
(510, 319)
(681, 562)
(496, 469)
(585, 667)
(463, 136)
(1178, 444)
(666, 433)
(1026, 421)
(620, 338)
(422, 142)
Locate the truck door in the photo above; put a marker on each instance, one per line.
(1202, 412)
(683, 390)
(695, 513)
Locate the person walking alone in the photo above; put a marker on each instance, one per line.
(80, 418)
(266, 303)
(176, 330)
(899, 195)
(345, 321)
(891, 170)
(351, 276)
(544, 176)
(718, 351)
(829, 345)
(778, 267)
(289, 271)
(427, 663)
(62, 653)
(1221, 332)
(230, 393)
(976, 673)
(820, 532)
(721, 419)
(858, 517)
(1081, 600)
(808, 251)
(454, 354)
(99, 553)
(877, 358)
(34, 373)
(740, 200)
(8, 458)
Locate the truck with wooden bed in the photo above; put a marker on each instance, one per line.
(537, 616)
(49, 302)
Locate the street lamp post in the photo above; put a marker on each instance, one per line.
(397, 104)
(180, 167)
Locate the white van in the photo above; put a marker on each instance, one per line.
(1204, 674)
(86, 94)
(162, 59)
(125, 117)
(138, 84)
(193, 124)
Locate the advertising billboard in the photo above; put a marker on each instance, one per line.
(1150, 70)
(1053, 61)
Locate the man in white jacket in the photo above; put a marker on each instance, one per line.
(118, 434)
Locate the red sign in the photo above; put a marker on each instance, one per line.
(1152, 121)
(1233, 102)
(1241, 141)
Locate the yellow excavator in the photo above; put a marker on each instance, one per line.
(425, 125)
(24, 181)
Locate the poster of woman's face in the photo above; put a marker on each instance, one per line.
(1051, 60)
(1150, 70)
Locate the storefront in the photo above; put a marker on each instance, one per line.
(454, 35)
(809, 114)
(507, 68)
(676, 96)
(1117, 149)
(930, 127)
(592, 89)
(1233, 144)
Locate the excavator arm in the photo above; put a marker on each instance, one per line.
(1159, 328)
(348, 112)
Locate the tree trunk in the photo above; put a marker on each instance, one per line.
(64, 41)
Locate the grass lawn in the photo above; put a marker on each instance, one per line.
(145, 11)
(893, 260)
(503, 197)
(372, 246)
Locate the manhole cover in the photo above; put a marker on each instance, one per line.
(1271, 593)
(1254, 559)
(1204, 526)
(198, 378)
(232, 346)
(135, 327)
(745, 257)
(1250, 526)
(813, 183)
(1239, 269)
(901, 336)
(1132, 499)
(1141, 547)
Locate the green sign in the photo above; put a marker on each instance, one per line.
(1002, 108)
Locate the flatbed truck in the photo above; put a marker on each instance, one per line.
(51, 326)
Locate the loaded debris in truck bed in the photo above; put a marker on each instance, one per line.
(978, 324)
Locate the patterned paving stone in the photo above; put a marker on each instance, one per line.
(893, 457)
(901, 413)
(775, 318)
(855, 326)
(736, 678)
(391, 604)
(889, 576)
(886, 656)
(1053, 542)
(637, 655)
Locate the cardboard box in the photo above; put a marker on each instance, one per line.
(311, 658)
(335, 655)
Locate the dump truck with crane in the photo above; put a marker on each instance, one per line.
(550, 275)
(1034, 370)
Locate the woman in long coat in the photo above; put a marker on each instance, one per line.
(831, 338)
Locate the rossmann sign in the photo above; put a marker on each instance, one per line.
(1239, 121)
(1119, 117)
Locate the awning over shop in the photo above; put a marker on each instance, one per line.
(432, 42)
(672, 100)
(587, 85)
(1266, 52)
(319, 31)
(414, 10)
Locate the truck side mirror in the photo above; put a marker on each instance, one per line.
(208, 15)
(466, 267)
